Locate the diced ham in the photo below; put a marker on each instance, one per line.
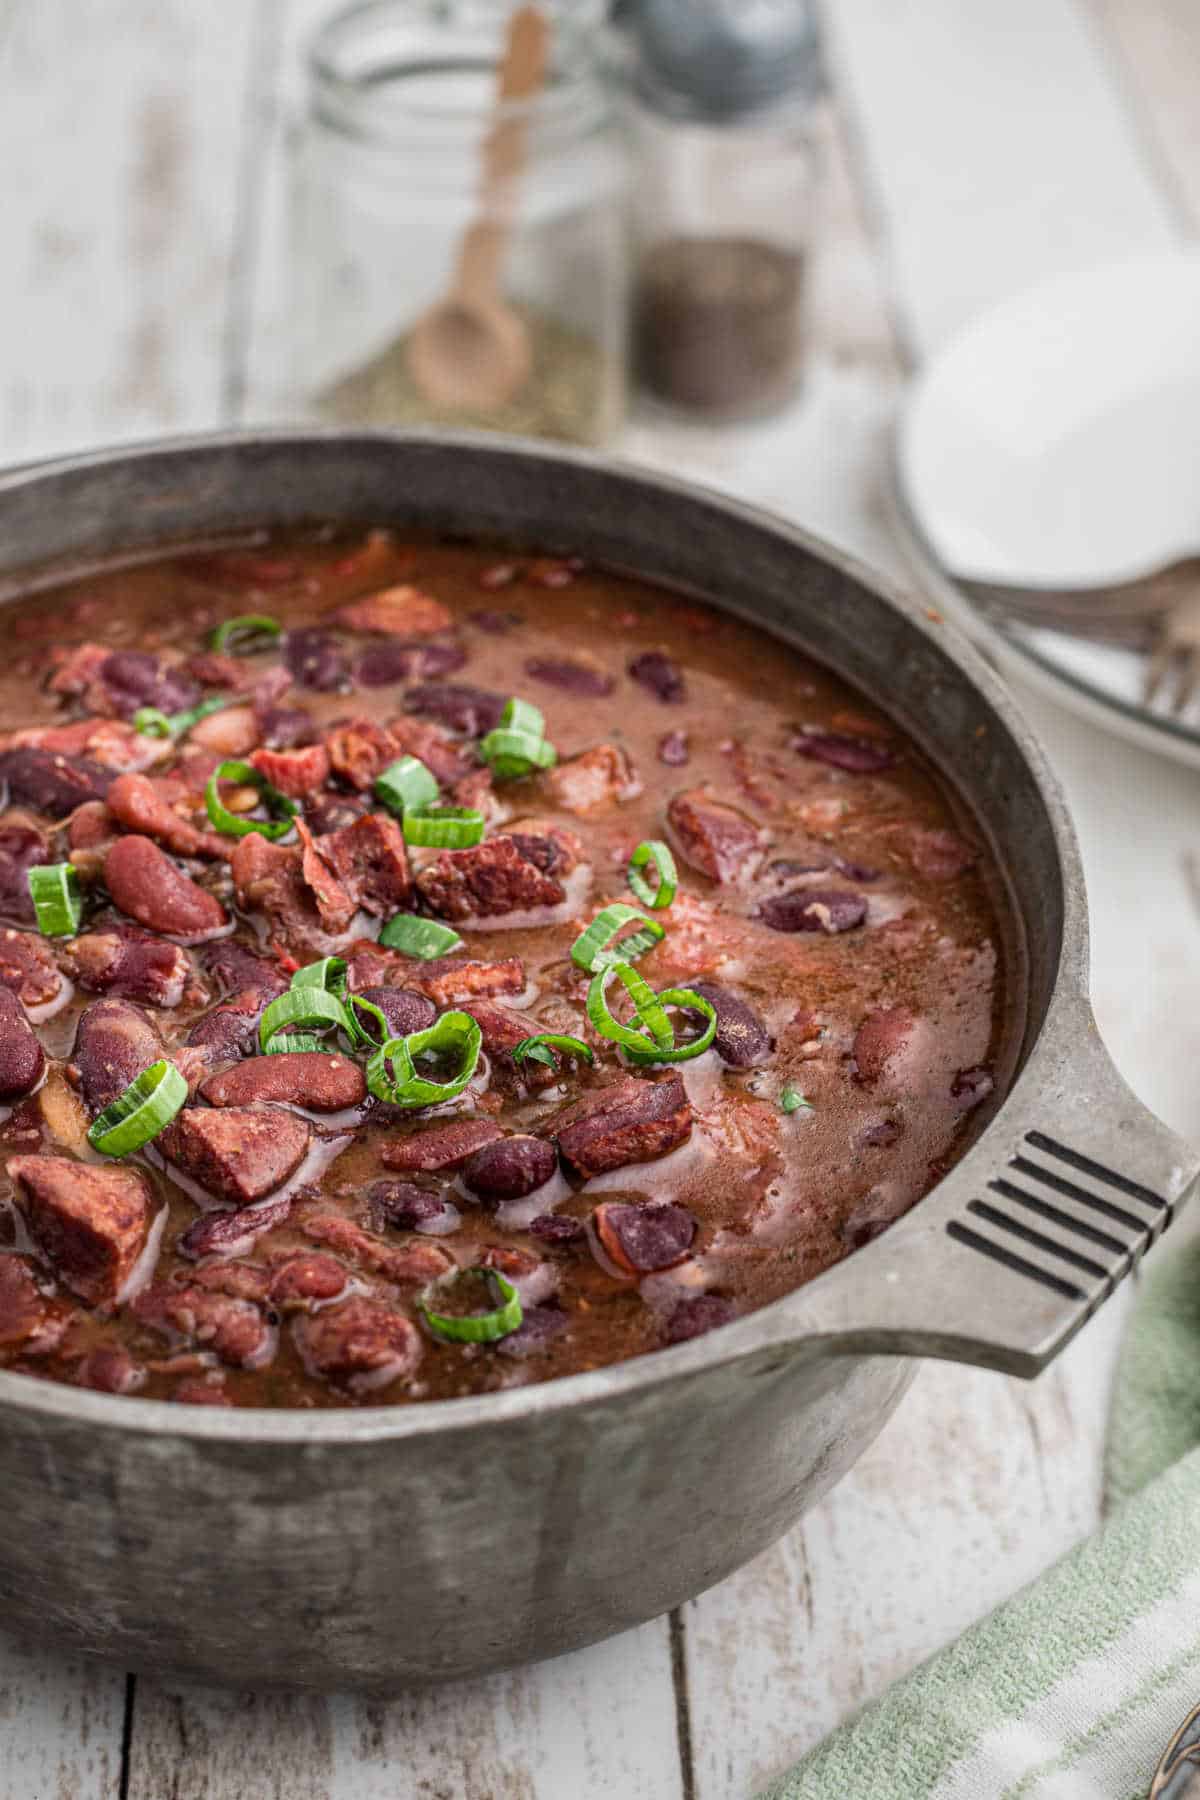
(439, 1146)
(446, 979)
(633, 1121)
(715, 839)
(297, 773)
(370, 862)
(334, 905)
(238, 1154)
(487, 881)
(234, 1329)
(433, 746)
(363, 1343)
(402, 611)
(269, 879)
(310, 1079)
(102, 746)
(90, 1221)
(593, 782)
(359, 751)
(28, 968)
(555, 849)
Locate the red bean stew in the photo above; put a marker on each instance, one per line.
(424, 972)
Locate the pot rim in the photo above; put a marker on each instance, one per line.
(758, 1331)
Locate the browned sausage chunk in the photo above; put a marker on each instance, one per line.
(370, 861)
(305, 1078)
(716, 839)
(239, 1155)
(235, 1329)
(146, 885)
(439, 1147)
(130, 968)
(487, 881)
(90, 1221)
(362, 1344)
(396, 612)
(633, 1121)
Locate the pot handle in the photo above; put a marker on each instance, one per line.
(1017, 1247)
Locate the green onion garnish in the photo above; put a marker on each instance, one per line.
(329, 973)
(648, 1011)
(223, 820)
(303, 1006)
(477, 1328)
(356, 1004)
(148, 1105)
(419, 937)
(57, 901)
(292, 1043)
(673, 1053)
(406, 786)
(243, 636)
(153, 723)
(542, 1047)
(444, 827)
(791, 1100)
(392, 1071)
(518, 744)
(655, 851)
(595, 947)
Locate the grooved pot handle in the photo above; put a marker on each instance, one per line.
(1028, 1235)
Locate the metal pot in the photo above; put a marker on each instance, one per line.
(379, 1547)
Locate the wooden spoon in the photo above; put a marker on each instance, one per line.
(471, 350)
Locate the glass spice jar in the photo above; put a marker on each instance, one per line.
(724, 174)
(387, 179)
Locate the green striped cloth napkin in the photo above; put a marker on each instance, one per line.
(1071, 1690)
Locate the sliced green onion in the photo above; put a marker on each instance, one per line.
(655, 851)
(542, 1047)
(151, 722)
(478, 1328)
(595, 947)
(419, 937)
(356, 1003)
(245, 635)
(392, 1071)
(673, 1053)
(405, 786)
(523, 715)
(246, 776)
(648, 1012)
(57, 901)
(329, 973)
(791, 1100)
(445, 827)
(516, 753)
(148, 1105)
(289, 1042)
(303, 1006)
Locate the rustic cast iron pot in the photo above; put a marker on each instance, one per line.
(378, 1547)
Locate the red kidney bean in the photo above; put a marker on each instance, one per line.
(813, 909)
(225, 1033)
(21, 1057)
(496, 624)
(232, 1233)
(697, 1314)
(308, 1078)
(237, 970)
(571, 677)
(404, 1010)
(137, 678)
(404, 1205)
(858, 756)
(539, 1326)
(660, 674)
(510, 1168)
(315, 661)
(634, 1120)
(21, 849)
(147, 886)
(286, 727)
(673, 749)
(114, 1042)
(468, 710)
(557, 1228)
(50, 782)
(742, 1039)
(642, 1239)
(331, 812)
(381, 665)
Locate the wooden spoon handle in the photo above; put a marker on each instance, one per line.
(522, 73)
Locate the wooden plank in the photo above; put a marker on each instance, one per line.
(1158, 47)
(592, 1725)
(119, 137)
(61, 1726)
(975, 1486)
(999, 146)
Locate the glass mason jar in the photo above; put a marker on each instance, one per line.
(388, 180)
(721, 113)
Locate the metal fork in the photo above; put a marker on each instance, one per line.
(1176, 658)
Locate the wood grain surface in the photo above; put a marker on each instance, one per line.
(143, 287)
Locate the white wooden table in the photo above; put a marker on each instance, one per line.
(141, 149)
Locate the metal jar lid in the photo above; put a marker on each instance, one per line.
(721, 60)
